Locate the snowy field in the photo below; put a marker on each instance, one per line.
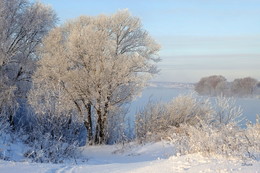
(150, 158)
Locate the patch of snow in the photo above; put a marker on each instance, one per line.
(11, 148)
(152, 158)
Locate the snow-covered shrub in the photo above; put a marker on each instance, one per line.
(55, 131)
(252, 137)
(219, 135)
(4, 127)
(8, 104)
(226, 111)
(156, 120)
(151, 121)
(209, 140)
(53, 138)
(11, 143)
(49, 138)
(194, 126)
(51, 149)
(116, 130)
(187, 109)
(222, 136)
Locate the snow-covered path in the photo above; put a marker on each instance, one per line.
(189, 163)
(149, 158)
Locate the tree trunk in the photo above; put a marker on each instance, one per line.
(11, 118)
(88, 123)
(100, 129)
(11, 121)
(90, 128)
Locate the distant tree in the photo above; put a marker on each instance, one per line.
(211, 85)
(92, 66)
(22, 26)
(244, 86)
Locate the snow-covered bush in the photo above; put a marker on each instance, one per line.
(209, 140)
(8, 105)
(222, 136)
(47, 139)
(116, 130)
(4, 127)
(151, 121)
(52, 138)
(187, 109)
(194, 126)
(252, 137)
(11, 143)
(229, 140)
(226, 111)
(51, 149)
(156, 120)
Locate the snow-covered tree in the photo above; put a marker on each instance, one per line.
(22, 26)
(95, 65)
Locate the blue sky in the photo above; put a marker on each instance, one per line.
(198, 37)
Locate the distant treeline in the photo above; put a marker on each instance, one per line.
(218, 85)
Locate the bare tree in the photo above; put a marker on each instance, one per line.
(211, 85)
(244, 86)
(22, 26)
(98, 64)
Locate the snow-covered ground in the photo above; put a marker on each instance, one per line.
(157, 157)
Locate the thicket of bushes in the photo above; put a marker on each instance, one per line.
(196, 126)
(52, 139)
